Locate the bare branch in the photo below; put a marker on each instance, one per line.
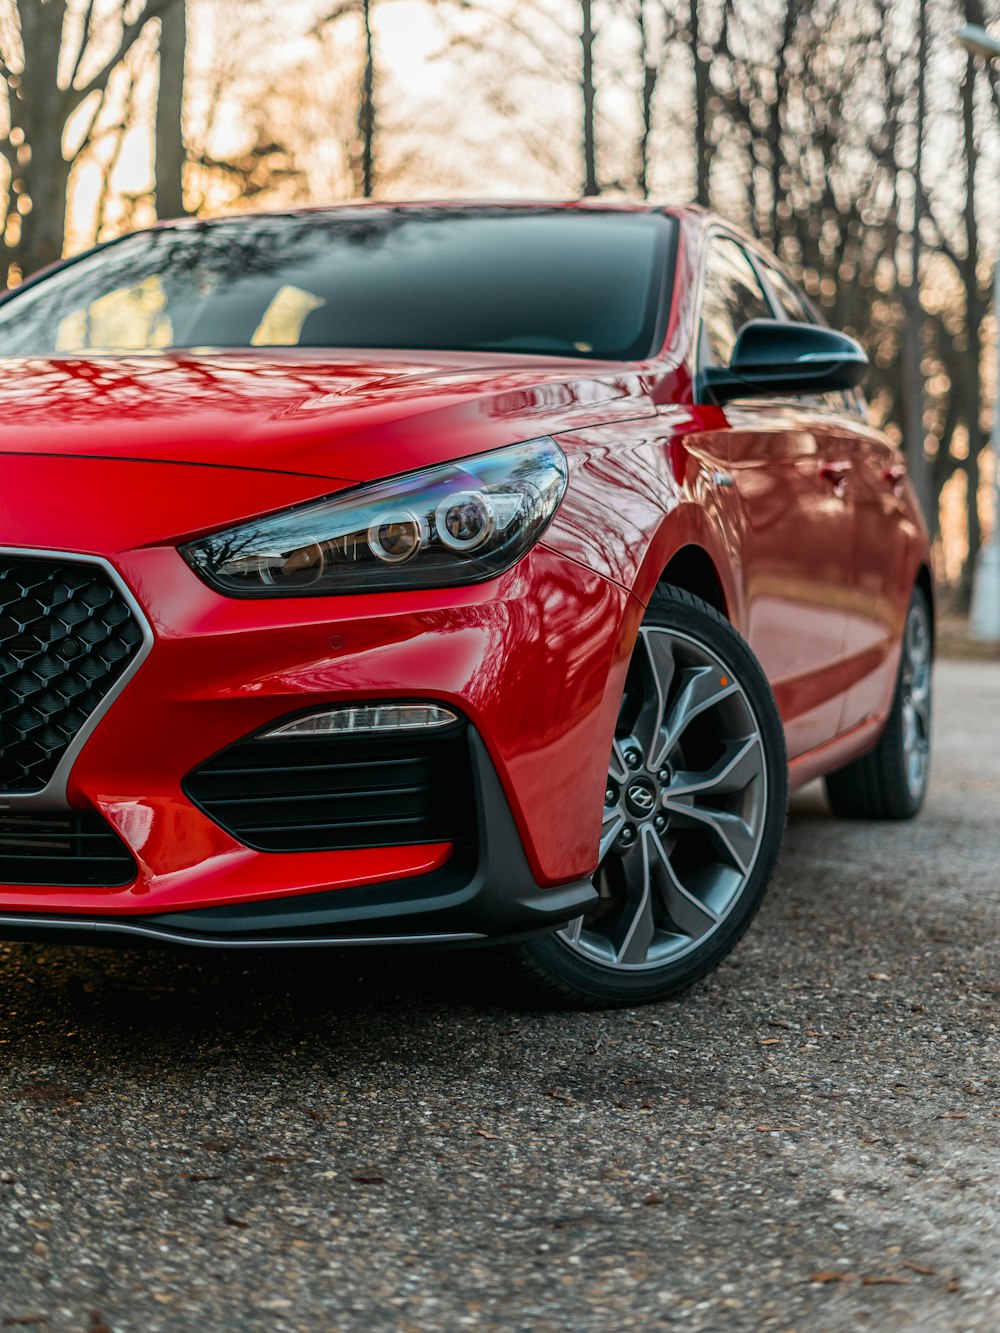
(131, 32)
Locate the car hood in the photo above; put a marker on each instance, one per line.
(326, 415)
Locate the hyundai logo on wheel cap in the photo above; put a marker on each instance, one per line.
(640, 798)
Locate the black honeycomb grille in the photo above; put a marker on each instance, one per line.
(66, 636)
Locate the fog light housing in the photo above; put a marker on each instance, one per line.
(354, 719)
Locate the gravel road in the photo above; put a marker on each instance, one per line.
(809, 1141)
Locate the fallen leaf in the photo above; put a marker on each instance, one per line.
(55, 1094)
(952, 1285)
(367, 1178)
(561, 1096)
(234, 1222)
(879, 976)
(23, 1320)
(275, 1157)
(769, 1041)
(197, 1176)
(916, 1268)
(653, 1198)
(889, 1280)
(485, 1134)
(834, 1276)
(952, 1115)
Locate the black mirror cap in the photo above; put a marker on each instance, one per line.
(771, 359)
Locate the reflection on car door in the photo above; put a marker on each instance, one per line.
(795, 514)
(872, 602)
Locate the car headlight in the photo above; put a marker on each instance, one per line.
(459, 523)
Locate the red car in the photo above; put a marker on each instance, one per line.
(442, 573)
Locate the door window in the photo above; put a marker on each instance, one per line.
(732, 295)
(794, 306)
(788, 297)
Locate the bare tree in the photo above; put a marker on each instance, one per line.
(363, 162)
(170, 151)
(56, 64)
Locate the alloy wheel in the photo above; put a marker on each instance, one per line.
(916, 698)
(685, 808)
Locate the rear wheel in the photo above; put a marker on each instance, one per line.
(693, 817)
(890, 782)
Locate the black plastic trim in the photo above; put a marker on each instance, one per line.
(417, 789)
(479, 896)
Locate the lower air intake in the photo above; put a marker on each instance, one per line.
(331, 793)
(75, 849)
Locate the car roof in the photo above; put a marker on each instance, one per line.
(601, 204)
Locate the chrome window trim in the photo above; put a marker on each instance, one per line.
(53, 794)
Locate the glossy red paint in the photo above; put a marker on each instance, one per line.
(816, 545)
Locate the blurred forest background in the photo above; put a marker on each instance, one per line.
(854, 136)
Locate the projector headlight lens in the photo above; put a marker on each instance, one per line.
(459, 523)
(393, 538)
(465, 521)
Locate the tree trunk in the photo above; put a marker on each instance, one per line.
(170, 150)
(590, 185)
(45, 182)
(650, 74)
(366, 111)
(702, 92)
(912, 379)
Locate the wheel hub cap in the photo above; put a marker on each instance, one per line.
(640, 798)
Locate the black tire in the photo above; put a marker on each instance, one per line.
(743, 730)
(881, 784)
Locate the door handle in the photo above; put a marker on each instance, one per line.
(894, 476)
(836, 473)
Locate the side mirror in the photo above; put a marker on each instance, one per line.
(770, 359)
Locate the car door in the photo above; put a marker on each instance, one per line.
(795, 515)
(870, 596)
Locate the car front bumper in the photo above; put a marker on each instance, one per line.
(533, 662)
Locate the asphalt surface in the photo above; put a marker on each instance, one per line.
(809, 1141)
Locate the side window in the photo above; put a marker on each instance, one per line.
(732, 295)
(788, 297)
(794, 306)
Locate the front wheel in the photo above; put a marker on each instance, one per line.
(693, 817)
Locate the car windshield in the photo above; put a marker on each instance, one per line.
(550, 282)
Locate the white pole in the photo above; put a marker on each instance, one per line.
(985, 617)
(985, 614)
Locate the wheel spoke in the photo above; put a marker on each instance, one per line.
(701, 688)
(614, 822)
(691, 917)
(741, 763)
(921, 701)
(657, 671)
(571, 931)
(617, 769)
(638, 919)
(731, 834)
